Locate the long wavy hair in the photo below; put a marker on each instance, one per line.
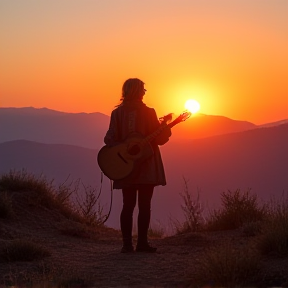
(132, 90)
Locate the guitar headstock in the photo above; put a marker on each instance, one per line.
(183, 117)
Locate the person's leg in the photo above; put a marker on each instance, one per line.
(126, 218)
(145, 193)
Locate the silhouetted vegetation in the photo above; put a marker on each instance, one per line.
(238, 208)
(44, 193)
(275, 234)
(23, 250)
(89, 206)
(192, 210)
(228, 266)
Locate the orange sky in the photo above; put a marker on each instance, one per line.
(74, 56)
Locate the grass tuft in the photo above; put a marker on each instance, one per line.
(275, 236)
(229, 267)
(24, 181)
(193, 212)
(156, 232)
(89, 207)
(23, 250)
(43, 193)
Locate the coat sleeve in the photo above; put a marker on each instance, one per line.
(163, 137)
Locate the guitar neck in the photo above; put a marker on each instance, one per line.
(163, 126)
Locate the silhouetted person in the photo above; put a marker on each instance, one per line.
(132, 115)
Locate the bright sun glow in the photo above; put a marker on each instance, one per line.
(192, 105)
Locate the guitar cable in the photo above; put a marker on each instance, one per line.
(111, 198)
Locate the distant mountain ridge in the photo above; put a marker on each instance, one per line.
(201, 126)
(277, 123)
(88, 129)
(53, 127)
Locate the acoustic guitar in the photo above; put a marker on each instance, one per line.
(119, 161)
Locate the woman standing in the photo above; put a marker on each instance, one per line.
(131, 116)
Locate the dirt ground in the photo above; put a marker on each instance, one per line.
(80, 258)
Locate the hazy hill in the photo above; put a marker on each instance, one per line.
(201, 125)
(276, 123)
(55, 161)
(256, 159)
(88, 129)
(53, 127)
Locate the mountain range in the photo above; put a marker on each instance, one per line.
(245, 156)
(88, 129)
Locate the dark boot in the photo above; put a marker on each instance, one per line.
(143, 225)
(127, 245)
(141, 247)
(126, 221)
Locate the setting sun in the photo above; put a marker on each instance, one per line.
(192, 105)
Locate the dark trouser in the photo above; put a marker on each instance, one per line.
(145, 193)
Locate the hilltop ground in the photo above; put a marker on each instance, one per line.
(91, 257)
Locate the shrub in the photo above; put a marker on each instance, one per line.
(87, 210)
(24, 181)
(237, 209)
(23, 250)
(90, 207)
(229, 267)
(193, 212)
(275, 235)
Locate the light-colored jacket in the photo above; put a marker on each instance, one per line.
(137, 117)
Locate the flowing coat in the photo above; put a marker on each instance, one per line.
(134, 117)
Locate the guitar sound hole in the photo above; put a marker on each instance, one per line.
(135, 149)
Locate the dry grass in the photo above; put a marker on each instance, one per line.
(229, 267)
(238, 208)
(23, 250)
(275, 235)
(44, 193)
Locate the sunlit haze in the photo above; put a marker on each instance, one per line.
(74, 56)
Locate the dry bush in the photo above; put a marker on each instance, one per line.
(275, 235)
(44, 193)
(24, 181)
(237, 209)
(193, 212)
(229, 267)
(89, 207)
(23, 250)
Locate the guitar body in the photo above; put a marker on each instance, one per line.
(117, 162)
